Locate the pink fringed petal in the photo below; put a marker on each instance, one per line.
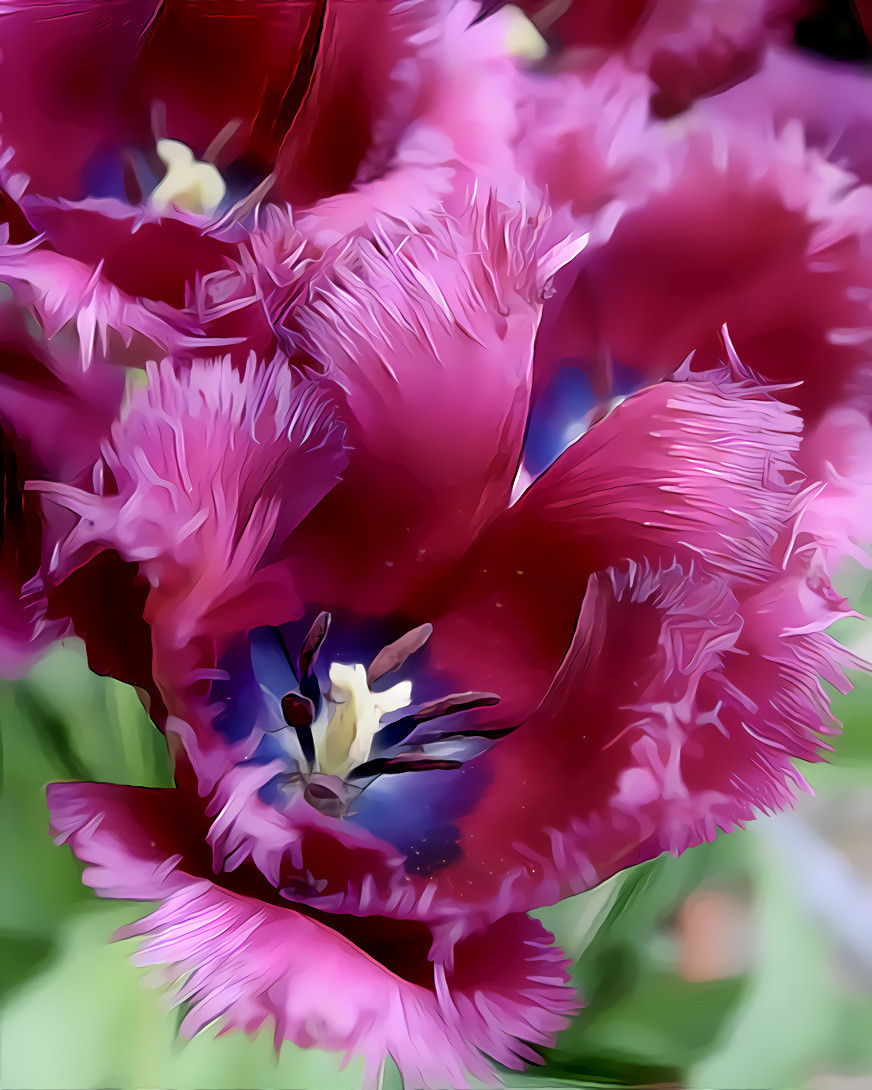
(62, 291)
(830, 99)
(585, 138)
(688, 47)
(361, 985)
(700, 471)
(695, 672)
(840, 513)
(745, 228)
(428, 338)
(203, 481)
(677, 710)
(749, 229)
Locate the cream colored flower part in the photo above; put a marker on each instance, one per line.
(520, 37)
(348, 739)
(188, 183)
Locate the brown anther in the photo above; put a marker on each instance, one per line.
(395, 654)
(298, 710)
(329, 795)
(312, 644)
(393, 766)
(456, 702)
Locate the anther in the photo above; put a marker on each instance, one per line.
(387, 766)
(299, 713)
(298, 710)
(395, 654)
(324, 799)
(312, 645)
(395, 732)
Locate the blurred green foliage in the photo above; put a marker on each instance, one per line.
(75, 1015)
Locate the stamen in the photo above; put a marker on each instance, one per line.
(395, 654)
(299, 713)
(324, 798)
(188, 183)
(298, 710)
(312, 645)
(283, 647)
(450, 705)
(387, 766)
(337, 728)
(521, 38)
(348, 738)
(221, 140)
(394, 733)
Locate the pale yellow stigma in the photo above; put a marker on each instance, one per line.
(347, 741)
(188, 183)
(520, 37)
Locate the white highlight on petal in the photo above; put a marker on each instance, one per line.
(347, 740)
(188, 183)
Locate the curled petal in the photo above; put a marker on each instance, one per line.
(428, 338)
(678, 710)
(749, 228)
(201, 484)
(700, 471)
(361, 985)
(62, 291)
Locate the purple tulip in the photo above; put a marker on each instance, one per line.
(620, 662)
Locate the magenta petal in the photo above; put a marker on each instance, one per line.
(132, 245)
(205, 477)
(830, 99)
(696, 470)
(359, 985)
(53, 418)
(677, 711)
(58, 412)
(688, 47)
(82, 80)
(428, 338)
(356, 101)
(750, 230)
(701, 469)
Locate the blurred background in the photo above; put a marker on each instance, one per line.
(746, 963)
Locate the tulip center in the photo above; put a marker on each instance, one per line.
(343, 743)
(188, 183)
(356, 717)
